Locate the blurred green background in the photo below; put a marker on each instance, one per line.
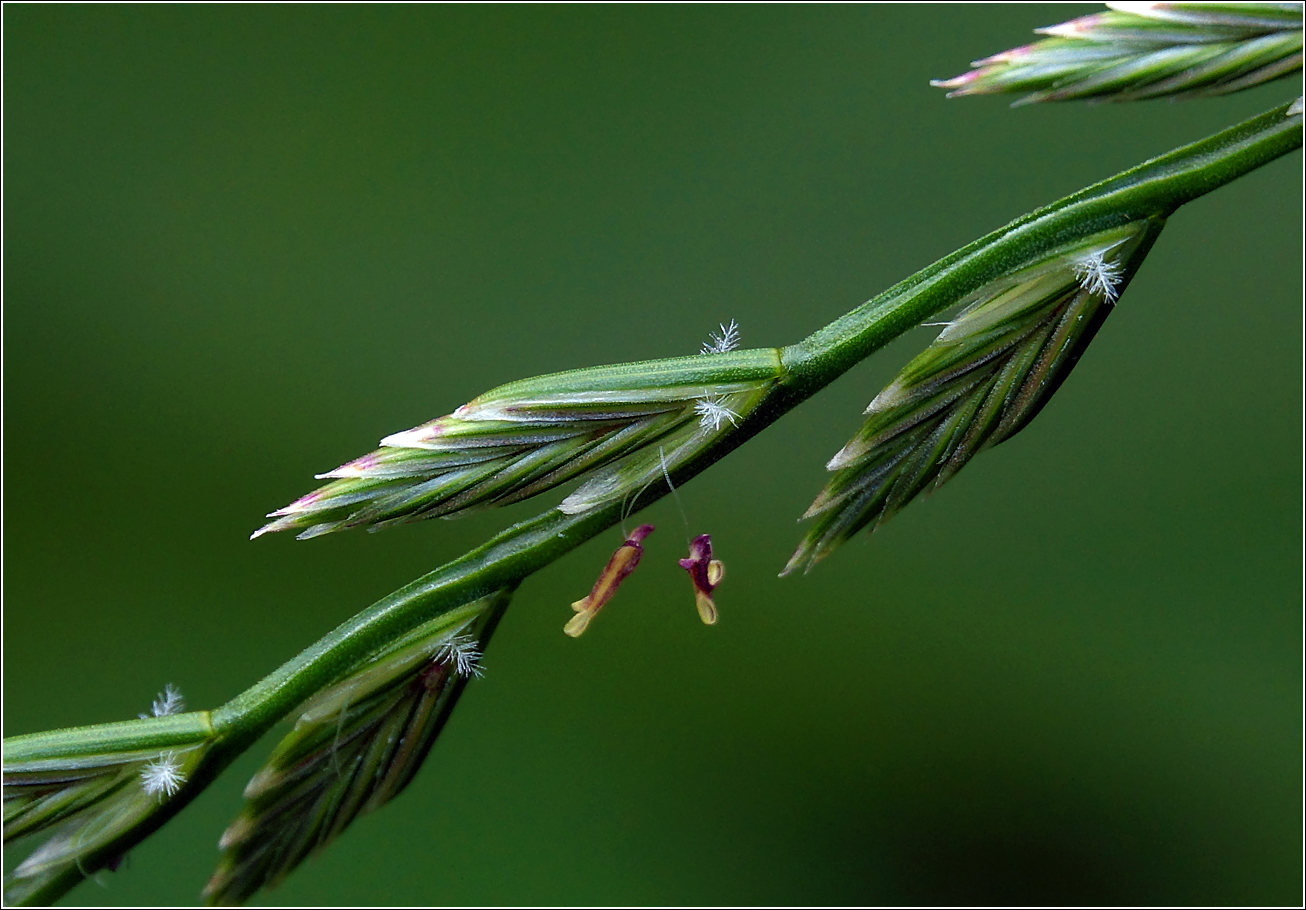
(244, 243)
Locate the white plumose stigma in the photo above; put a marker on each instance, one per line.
(728, 340)
(1098, 276)
(711, 412)
(162, 777)
(170, 701)
(463, 653)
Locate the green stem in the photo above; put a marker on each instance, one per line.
(1157, 187)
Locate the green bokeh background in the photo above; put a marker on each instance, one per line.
(244, 243)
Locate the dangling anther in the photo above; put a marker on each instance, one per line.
(622, 563)
(706, 573)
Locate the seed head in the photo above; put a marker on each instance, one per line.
(1135, 51)
(530, 436)
(983, 379)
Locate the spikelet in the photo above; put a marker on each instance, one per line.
(355, 746)
(616, 423)
(1146, 50)
(985, 377)
(89, 788)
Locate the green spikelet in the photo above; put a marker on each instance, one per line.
(528, 437)
(1146, 50)
(355, 746)
(90, 788)
(985, 377)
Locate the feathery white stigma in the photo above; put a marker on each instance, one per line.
(728, 340)
(170, 701)
(463, 653)
(711, 412)
(1098, 276)
(163, 776)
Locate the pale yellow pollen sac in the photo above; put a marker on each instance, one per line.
(622, 563)
(716, 570)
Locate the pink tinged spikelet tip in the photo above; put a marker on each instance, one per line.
(1016, 53)
(416, 438)
(956, 82)
(351, 469)
(271, 527)
(1083, 27)
(302, 504)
